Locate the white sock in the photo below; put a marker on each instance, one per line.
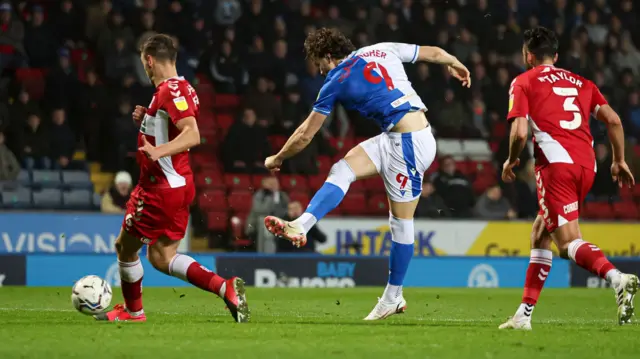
(131, 272)
(306, 221)
(392, 293)
(614, 277)
(525, 311)
(179, 265)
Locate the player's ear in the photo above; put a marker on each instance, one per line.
(555, 58)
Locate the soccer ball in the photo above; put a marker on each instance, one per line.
(91, 295)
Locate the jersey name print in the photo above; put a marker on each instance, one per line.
(373, 82)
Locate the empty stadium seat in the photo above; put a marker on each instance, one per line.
(626, 210)
(597, 210)
(240, 201)
(19, 198)
(79, 199)
(225, 121)
(483, 182)
(342, 145)
(316, 181)
(302, 197)
(24, 178)
(217, 221)
(238, 182)
(447, 147)
(48, 198)
(277, 142)
(477, 149)
(209, 180)
(256, 180)
(46, 179)
(77, 180)
(225, 101)
(354, 204)
(324, 164)
(374, 184)
(294, 183)
(212, 200)
(32, 80)
(378, 205)
(96, 200)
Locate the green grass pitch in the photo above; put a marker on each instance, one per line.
(319, 323)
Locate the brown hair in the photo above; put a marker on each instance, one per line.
(161, 47)
(327, 42)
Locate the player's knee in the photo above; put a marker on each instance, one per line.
(402, 230)
(341, 175)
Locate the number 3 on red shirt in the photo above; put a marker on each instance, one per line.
(570, 93)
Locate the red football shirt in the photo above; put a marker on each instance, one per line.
(174, 100)
(558, 105)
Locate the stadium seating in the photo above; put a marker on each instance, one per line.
(294, 183)
(80, 199)
(354, 204)
(626, 210)
(19, 198)
(47, 198)
(24, 178)
(447, 147)
(240, 201)
(46, 179)
(597, 210)
(477, 149)
(211, 200)
(76, 180)
(238, 182)
(378, 205)
(218, 221)
(302, 197)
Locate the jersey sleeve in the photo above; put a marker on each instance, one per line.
(327, 96)
(518, 101)
(597, 99)
(177, 101)
(405, 52)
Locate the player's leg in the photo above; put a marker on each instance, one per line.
(537, 272)
(357, 164)
(405, 159)
(164, 256)
(131, 273)
(571, 245)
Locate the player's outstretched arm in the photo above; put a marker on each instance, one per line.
(437, 55)
(189, 137)
(517, 141)
(619, 169)
(300, 139)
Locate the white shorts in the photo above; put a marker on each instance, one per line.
(401, 160)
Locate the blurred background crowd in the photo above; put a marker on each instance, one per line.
(70, 75)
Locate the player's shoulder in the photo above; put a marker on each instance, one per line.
(524, 78)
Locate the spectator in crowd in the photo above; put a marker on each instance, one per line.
(9, 165)
(246, 145)
(35, 144)
(67, 21)
(125, 133)
(464, 46)
(257, 59)
(62, 81)
(116, 197)
(431, 205)
(265, 104)
(119, 61)
(603, 186)
(39, 40)
(63, 141)
(526, 199)
(628, 57)
(12, 50)
(19, 111)
(492, 205)
(225, 69)
(97, 16)
(267, 201)
(310, 84)
(451, 117)
(116, 29)
(227, 12)
(633, 116)
(454, 188)
(294, 210)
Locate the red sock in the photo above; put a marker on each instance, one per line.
(537, 272)
(590, 257)
(131, 282)
(132, 293)
(203, 278)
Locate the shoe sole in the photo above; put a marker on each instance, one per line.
(276, 227)
(626, 310)
(243, 312)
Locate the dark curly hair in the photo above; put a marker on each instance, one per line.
(324, 41)
(541, 42)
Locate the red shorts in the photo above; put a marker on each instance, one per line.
(561, 189)
(153, 213)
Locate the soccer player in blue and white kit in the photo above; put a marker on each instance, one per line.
(373, 82)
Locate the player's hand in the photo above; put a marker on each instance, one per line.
(507, 171)
(150, 150)
(460, 72)
(622, 174)
(273, 163)
(138, 113)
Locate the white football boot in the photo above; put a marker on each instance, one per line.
(625, 292)
(383, 309)
(517, 323)
(521, 320)
(286, 230)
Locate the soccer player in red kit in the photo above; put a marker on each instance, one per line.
(557, 104)
(157, 213)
